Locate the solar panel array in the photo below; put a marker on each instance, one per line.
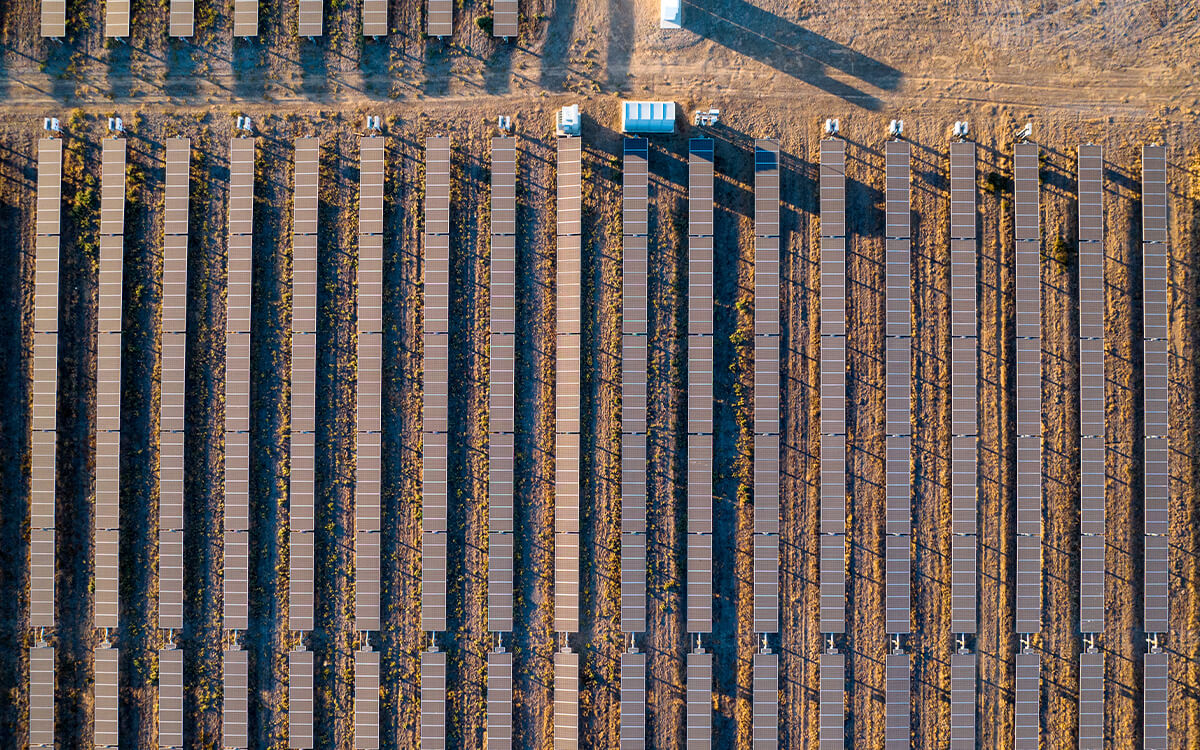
(237, 383)
(1091, 701)
(766, 386)
(898, 700)
(898, 411)
(570, 286)
(236, 700)
(54, 18)
(633, 701)
(245, 18)
(368, 467)
(170, 699)
(566, 439)
(311, 17)
(1156, 396)
(833, 386)
(700, 387)
(435, 511)
(1029, 388)
(116, 18)
(503, 403)
(439, 20)
(45, 392)
(506, 14)
(962, 701)
(171, 421)
(964, 402)
(499, 700)
(699, 700)
(832, 731)
(1155, 722)
(1027, 718)
(366, 700)
(104, 718)
(375, 17)
(302, 441)
(635, 215)
(182, 18)
(1091, 388)
(108, 381)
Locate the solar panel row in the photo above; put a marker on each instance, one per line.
(439, 20)
(301, 478)
(502, 398)
(45, 390)
(499, 700)
(1027, 716)
(635, 217)
(699, 700)
(108, 380)
(300, 700)
(54, 18)
(1156, 402)
(964, 404)
(1029, 386)
(170, 699)
(375, 17)
(368, 465)
(833, 386)
(1154, 704)
(182, 18)
(633, 701)
(898, 398)
(568, 401)
(366, 700)
(897, 697)
(237, 400)
(1091, 394)
(566, 700)
(311, 18)
(104, 719)
(435, 508)
(832, 732)
(700, 385)
(1091, 701)
(766, 385)
(245, 18)
(116, 18)
(433, 700)
(173, 383)
(505, 18)
(962, 701)
(236, 700)
(41, 696)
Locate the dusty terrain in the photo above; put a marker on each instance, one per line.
(1115, 73)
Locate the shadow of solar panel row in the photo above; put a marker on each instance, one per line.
(962, 701)
(44, 426)
(1027, 703)
(700, 389)
(832, 561)
(502, 396)
(832, 731)
(766, 386)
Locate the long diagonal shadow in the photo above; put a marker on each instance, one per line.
(791, 49)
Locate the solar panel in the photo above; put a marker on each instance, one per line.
(569, 262)
(700, 187)
(962, 701)
(833, 187)
(1091, 701)
(1091, 583)
(566, 581)
(366, 700)
(366, 587)
(766, 188)
(699, 700)
(1155, 597)
(182, 18)
(112, 188)
(439, 19)
(245, 18)
(766, 702)
(236, 580)
(1027, 719)
(170, 698)
(1155, 722)
(1090, 181)
(633, 701)
(433, 700)
(1154, 290)
(833, 583)
(433, 581)
(499, 700)
(898, 417)
(1029, 584)
(300, 699)
(1154, 194)
(699, 582)
(54, 18)
(963, 583)
(898, 698)
(311, 17)
(633, 582)
(105, 707)
(1156, 486)
(963, 480)
(832, 733)
(766, 385)
(962, 191)
(1026, 185)
(566, 700)
(505, 18)
(41, 696)
(833, 484)
(236, 701)
(766, 583)
(635, 188)
(897, 158)
(375, 17)
(898, 583)
(170, 579)
(107, 552)
(41, 574)
(116, 18)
